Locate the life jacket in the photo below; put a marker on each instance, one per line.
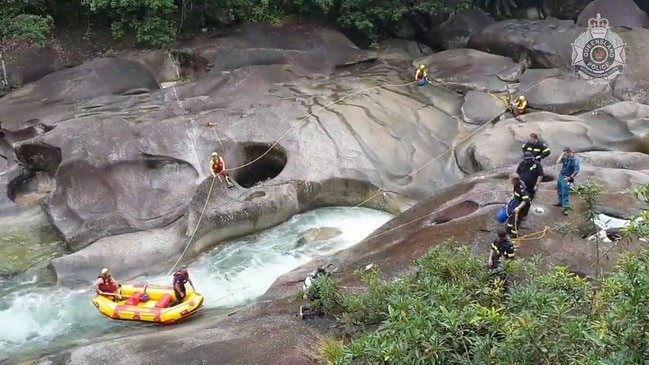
(184, 277)
(107, 285)
(217, 166)
(420, 74)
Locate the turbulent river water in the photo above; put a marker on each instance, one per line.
(39, 320)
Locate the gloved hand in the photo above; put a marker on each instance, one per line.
(538, 158)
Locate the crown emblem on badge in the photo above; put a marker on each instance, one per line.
(598, 26)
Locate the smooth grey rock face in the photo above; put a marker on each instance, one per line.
(124, 164)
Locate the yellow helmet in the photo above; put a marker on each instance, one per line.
(521, 98)
(422, 66)
(214, 154)
(104, 271)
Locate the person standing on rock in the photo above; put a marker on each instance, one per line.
(217, 167)
(531, 173)
(520, 199)
(569, 169)
(421, 76)
(537, 147)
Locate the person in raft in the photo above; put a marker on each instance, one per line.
(181, 277)
(217, 167)
(107, 285)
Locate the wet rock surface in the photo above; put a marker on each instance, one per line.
(121, 166)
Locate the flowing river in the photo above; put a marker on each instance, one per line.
(41, 320)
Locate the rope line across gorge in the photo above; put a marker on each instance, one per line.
(324, 107)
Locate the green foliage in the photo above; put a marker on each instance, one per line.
(150, 20)
(158, 22)
(448, 312)
(31, 28)
(639, 224)
(499, 7)
(376, 21)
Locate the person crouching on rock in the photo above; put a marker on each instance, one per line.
(520, 107)
(181, 277)
(217, 167)
(107, 285)
(421, 76)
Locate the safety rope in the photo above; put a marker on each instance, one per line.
(312, 114)
(306, 117)
(191, 238)
(450, 149)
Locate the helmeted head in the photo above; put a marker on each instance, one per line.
(104, 273)
(528, 156)
(521, 98)
(215, 155)
(422, 67)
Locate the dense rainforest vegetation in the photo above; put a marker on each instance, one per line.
(159, 22)
(450, 311)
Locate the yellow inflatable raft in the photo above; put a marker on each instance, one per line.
(156, 309)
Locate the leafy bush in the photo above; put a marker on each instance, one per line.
(31, 28)
(151, 20)
(450, 312)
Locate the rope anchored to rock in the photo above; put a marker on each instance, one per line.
(313, 113)
(303, 118)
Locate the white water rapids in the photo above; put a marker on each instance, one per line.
(37, 320)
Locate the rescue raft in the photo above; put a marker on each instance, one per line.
(134, 306)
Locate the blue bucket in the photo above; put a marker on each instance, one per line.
(511, 205)
(421, 82)
(501, 215)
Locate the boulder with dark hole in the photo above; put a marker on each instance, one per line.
(135, 162)
(261, 162)
(468, 209)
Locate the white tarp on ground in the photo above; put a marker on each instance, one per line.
(604, 222)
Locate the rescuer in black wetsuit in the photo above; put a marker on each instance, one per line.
(537, 147)
(530, 172)
(520, 198)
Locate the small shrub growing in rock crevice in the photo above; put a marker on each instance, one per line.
(449, 312)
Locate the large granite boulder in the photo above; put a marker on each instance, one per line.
(466, 69)
(547, 44)
(120, 160)
(480, 107)
(615, 127)
(543, 43)
(624, 13)
(556, 91)
(456, 31)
